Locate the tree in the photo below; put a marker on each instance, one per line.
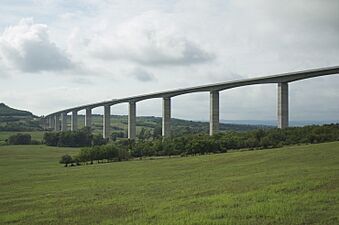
(66, 159)
(141, 135)
(78, 138)
(98, 140)
(157, 132)
(19, 139)
(51, 138)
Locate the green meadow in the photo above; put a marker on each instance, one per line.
(291, 185)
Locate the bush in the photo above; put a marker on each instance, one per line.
(110, 152)
(19, 139)
(79, 138)
(98, 140)
(66, 159)
(51, 138)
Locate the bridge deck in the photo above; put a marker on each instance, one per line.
(280, 78)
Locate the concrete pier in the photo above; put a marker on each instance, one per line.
(74, 120)
(88, 117)
(106, 133)
(132, 129)
(52, 122)
(56, 123)
(45, 123)
(166, 117)
(282, 105)
(214, 112)
(63, 117)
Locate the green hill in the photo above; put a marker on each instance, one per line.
(292, 185)
(119, 124)
(8, 111)
(18, 120)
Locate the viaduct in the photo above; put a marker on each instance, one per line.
(57, 120)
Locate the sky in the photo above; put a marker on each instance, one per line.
(56, 54)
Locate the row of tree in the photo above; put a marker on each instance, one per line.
(193, 144)
(78, 138)
(108, 153)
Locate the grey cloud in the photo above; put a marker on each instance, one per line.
(151, 55)
(27, 47)
(142, 75)
(189, 54)
(81, 80)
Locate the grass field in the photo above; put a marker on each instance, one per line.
(294, 185)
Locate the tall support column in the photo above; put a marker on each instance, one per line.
(132, 126)
(88, 117)
(282, 105)
(56, 123)
(74, 120)
(107, 122)
(45, 123)
(166, 117)
(214, 112)
(49, 122)
(52, 122)
(63, 121)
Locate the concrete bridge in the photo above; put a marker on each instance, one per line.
(57, 120)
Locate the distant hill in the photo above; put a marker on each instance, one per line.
(119, 124)
(8, 111)
(273, 123)
(17, 120)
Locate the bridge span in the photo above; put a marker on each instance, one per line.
(58, 120)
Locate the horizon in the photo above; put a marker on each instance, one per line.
(269, 123)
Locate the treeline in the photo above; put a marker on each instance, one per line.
(20, 125)
(78, 138)
(197, 144)
(107, 153)
(193, 144)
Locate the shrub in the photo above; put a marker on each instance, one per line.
(19, 139)
(110, 152)
(66, 159)
(51, 138)
(79, 138)
(98, 140)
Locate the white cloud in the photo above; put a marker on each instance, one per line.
(27, 47)
(149, 39)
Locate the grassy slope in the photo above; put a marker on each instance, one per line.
(296, 185)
